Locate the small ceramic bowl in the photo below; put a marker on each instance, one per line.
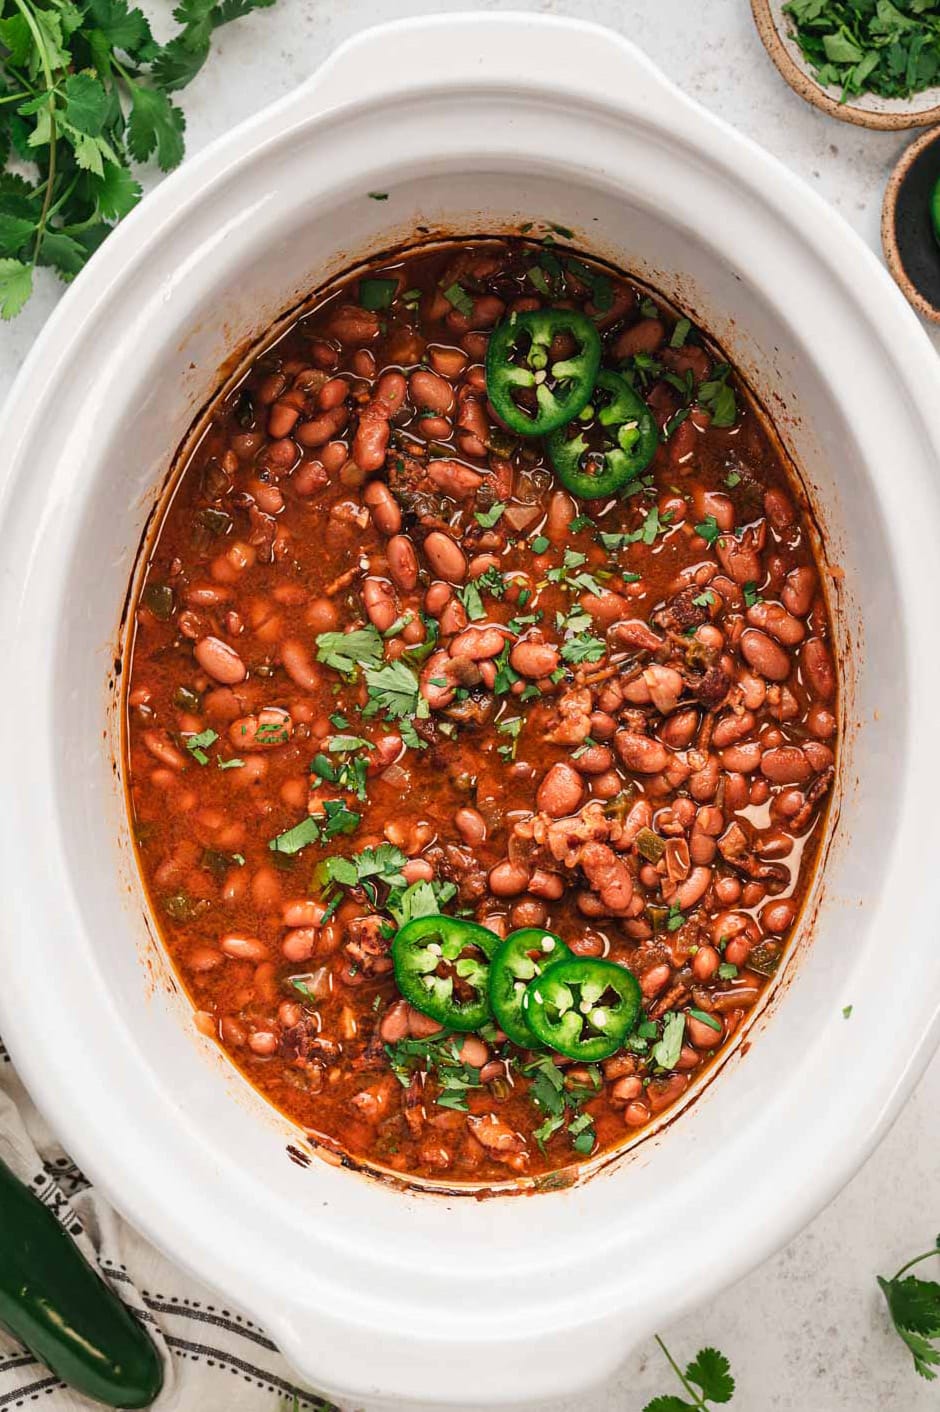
(907, 234)
(868, 110)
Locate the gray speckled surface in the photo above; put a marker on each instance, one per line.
(806, 1331)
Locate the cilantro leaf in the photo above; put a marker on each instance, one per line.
(155, 125)
(711, 1371)
(116, 192)
(86, 103)
(393, 689)
(345, 651)
(293, 840)
(914, 1306)
(666, 1052)
(668, 1403)
(16, 285)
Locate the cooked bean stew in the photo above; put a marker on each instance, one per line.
(481, 713)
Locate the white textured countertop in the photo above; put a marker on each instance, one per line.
(806, 1332)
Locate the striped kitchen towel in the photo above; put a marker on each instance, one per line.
(214, 1357)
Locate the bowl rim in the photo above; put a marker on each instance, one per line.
(812, 91)
(889, 233)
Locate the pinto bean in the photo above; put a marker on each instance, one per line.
(454, 479)
(429, 392)
(383, 506)
(742, 759)
(534, 659)
(402, 562)
(702, 1035)
(244, 948)
(561, 791)
(322, 428)
(739, 557)
(596, 760)
(765, 655)
(778, 507)
(640, 753)
(818, 671)
(436, 689)
(645, 336)
(799, 590)
(776, 621)
(478, 643)
(220, 661)
(693, 889)
(394, 1023)
(606, 608)
(508, 879)
(297, 663)
(680, 729)
(732, 728)
(445, 557)
(381, 605)
(471, 826)
(786, 765)
(547, 885)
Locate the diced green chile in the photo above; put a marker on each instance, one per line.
(582, 1007)
(524, 955)
(442, 967)
(518, 358)
(632, 437)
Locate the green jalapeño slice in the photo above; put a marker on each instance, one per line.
(519, 359)
(630, 442)
(524, 955)
(583, 1008)
(442, 967)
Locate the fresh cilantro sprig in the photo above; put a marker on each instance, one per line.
(914, 1306)
(707, 1380)
(85, 94)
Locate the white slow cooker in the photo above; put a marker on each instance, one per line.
(470, 123)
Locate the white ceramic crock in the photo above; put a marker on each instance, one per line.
(469, 123)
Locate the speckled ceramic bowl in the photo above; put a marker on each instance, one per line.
(867, 110)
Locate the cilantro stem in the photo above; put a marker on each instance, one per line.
(918, 1259)
(43, 52)
(14, 97)
(696, 1399)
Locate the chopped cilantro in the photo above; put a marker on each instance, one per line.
(680, 333)
(708, 529)
(394, 689)
(345, 651)
(196, 745)
(539, 544)
(488, 518)
(666, 1052)
(458, 297)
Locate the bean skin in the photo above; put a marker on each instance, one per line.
(534, 659)
(641, 754)
(776, 621)
(471, 826)
(383, 507)
(402, 562)
(381, 605)
(799, 590)
(508, 879)
(690, 892)
(818, 671)
(561, 791)
(220, 661)
(445, 557)
(786, 765)
(765, 655)
(429, 392)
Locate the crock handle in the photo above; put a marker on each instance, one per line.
(523, 50)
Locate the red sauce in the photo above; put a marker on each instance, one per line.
(626, 738)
